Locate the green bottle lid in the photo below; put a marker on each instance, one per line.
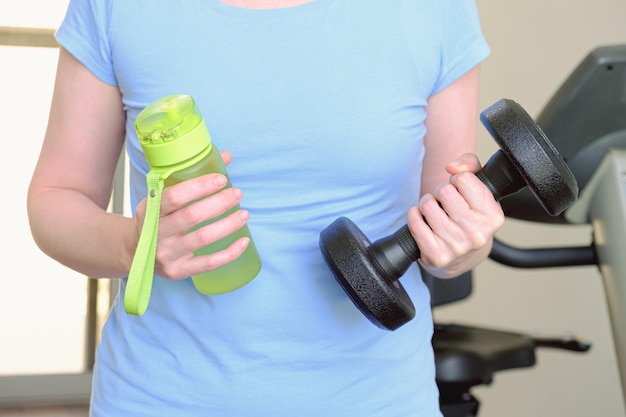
(172, 130)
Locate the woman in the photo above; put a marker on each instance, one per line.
(328, 108)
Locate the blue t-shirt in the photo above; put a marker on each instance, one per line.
(322, 106)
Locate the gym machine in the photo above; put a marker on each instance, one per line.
(586, 122)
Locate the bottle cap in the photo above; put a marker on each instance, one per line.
(172, 130)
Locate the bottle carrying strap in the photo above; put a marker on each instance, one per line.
(139, 283)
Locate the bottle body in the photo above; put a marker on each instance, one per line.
(178, 147)
(239, 272)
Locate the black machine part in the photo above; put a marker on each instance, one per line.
(584, 119)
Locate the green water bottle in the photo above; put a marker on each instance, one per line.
(177, 145)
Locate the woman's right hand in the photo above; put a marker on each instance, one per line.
(175, 257)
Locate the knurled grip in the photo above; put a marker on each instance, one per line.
(407, 243)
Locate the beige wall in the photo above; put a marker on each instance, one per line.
(535, 45)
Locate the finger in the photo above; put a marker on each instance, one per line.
(226, 157)
(174, 249)
(429, 224)
(476, 194)
(450, 199)
(192, 265)
(181, 194)
(220, 258)
(211, 233)
(471, 207)
(202, 210)
(466, 162)
(444, 227)
(433, 250)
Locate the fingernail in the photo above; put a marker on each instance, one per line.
(457, 164)
(244, 215)
(220, 180)
(237, 193)
(244, 242)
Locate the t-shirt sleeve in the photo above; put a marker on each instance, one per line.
(463, 45)
(84, 32)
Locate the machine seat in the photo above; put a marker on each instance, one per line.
(466, 356)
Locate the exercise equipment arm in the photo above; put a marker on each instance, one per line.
(542, 257)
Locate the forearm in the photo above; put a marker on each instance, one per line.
(78, 233)
(457, 216)
(71, 184)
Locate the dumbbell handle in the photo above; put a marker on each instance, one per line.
(397, 252)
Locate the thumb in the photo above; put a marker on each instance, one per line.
(466, 162)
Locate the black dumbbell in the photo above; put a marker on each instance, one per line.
(369, 272)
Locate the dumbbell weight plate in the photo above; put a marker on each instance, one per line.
(543, 169)
(384, 302)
